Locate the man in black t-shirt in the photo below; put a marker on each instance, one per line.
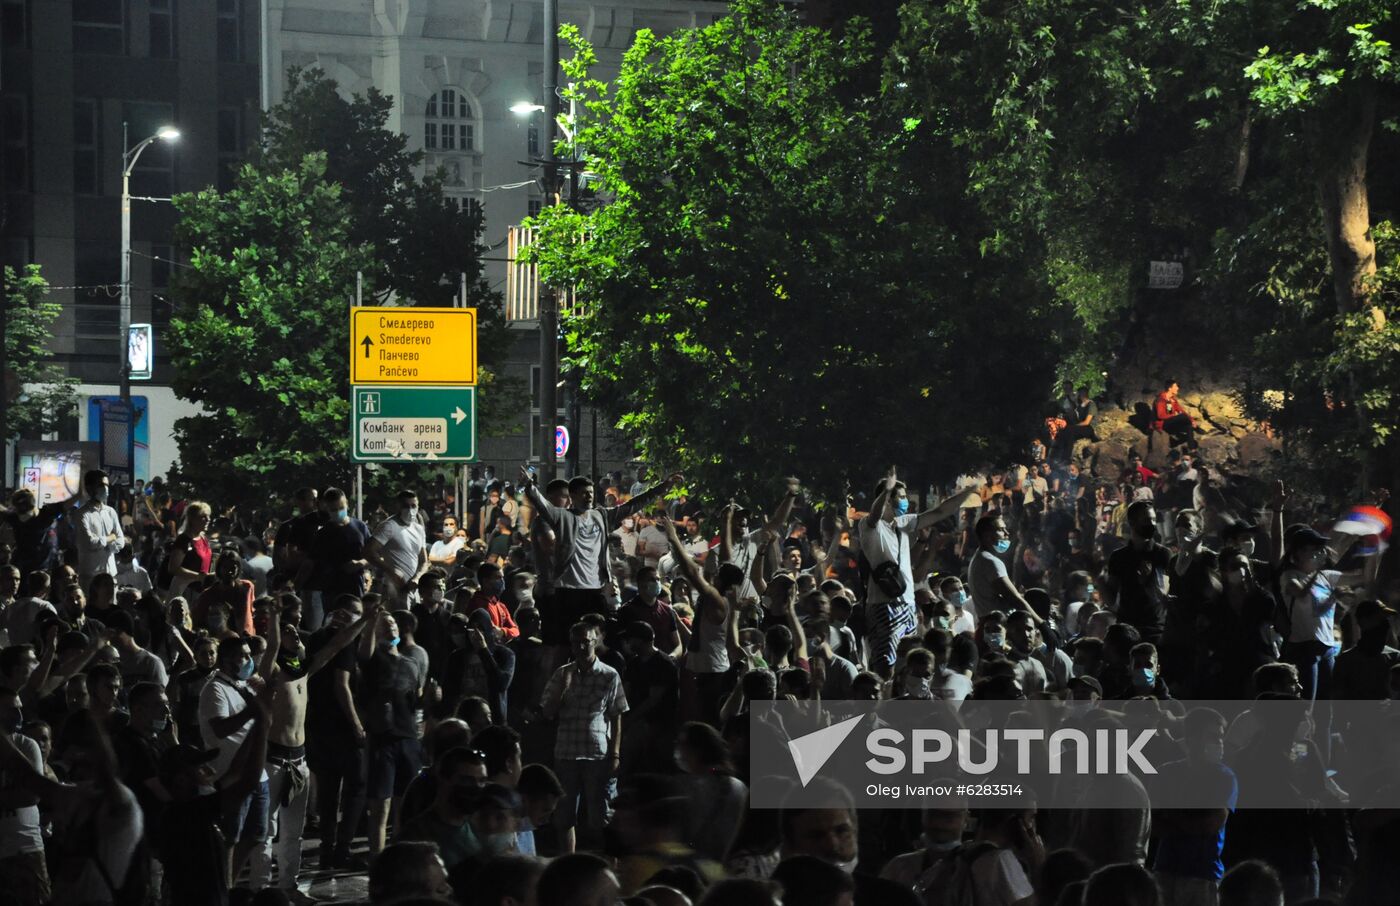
(651, 681)
(1138, 578)
(335, 739)
(335, 564)
(390, 692)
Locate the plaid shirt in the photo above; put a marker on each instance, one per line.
(594, 697)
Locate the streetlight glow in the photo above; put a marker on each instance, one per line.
(168, 133)
(525, 108)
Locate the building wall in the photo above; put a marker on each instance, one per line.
(68, 82)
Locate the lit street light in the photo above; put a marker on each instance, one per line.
(129, 157)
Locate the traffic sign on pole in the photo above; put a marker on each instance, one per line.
(399, 424)
(418, 346)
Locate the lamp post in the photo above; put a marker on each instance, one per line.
(129, 157)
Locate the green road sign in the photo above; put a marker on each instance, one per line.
(397, 424)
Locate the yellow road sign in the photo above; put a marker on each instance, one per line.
(412, 345)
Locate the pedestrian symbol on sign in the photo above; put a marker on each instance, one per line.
(369, 403)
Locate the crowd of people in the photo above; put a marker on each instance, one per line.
(540, 694)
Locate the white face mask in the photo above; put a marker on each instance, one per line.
(917, 686)
(849, 866)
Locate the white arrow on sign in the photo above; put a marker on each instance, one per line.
(459, 416)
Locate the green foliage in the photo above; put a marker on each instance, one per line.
(29, 320)
(262, 313)
(262, 321)
(765, 291)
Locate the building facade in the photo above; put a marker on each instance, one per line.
(80, 81)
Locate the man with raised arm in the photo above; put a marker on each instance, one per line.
(287, 667)
(739, 545)
(887, 536)
(580, 569)
(707, 661)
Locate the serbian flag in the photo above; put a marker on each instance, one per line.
(1368, 522)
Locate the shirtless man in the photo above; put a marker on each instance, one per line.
(285, 667)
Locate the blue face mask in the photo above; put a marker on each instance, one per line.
(246, 671)
(1003, 546)
(651, 589)
(1144, 678)
(342, 514)
(394, 642)
(901, 506)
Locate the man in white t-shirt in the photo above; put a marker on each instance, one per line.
(22, 868)
(226, 715)
(887, 536)
(992, 588)
(651, 542)
(399, 548)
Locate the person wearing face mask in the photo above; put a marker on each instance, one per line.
(488, 598)
(992, 588)
(335, 564)
(830, 834)
(649, 607)
(434, 619)
(448, 823)
(1240, 638)
(391, 690)
(1363, 670)
(232, 591)
(887, 538)
(227, 710)
(962, 620)
(1079, 592)
(99, 530)
(942, 835)
(1138, 577)
(399, 549)
(1188, 865)
(140, 744)
(915, 679)
(1310, 597)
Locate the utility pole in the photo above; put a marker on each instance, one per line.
(549, 295)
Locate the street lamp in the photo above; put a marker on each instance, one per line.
(129, 157)
(525, 108)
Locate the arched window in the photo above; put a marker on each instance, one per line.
(450, 123)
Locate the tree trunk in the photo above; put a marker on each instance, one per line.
(1341, 141)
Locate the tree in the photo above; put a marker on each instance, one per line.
(754, 303)
(51, 396)
(261, 324)
(363, 209)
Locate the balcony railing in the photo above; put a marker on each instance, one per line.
(523, 281)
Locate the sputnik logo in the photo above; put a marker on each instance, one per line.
(811, 752)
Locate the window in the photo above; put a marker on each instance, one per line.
(15, 125)
(230, 146)
(14, 23)
(86, 129)
(154, 173)
(450, 123)
(230, 44)
(97, 266)
(532, 138)
(99, 26)
(162, 34)
(533, 206)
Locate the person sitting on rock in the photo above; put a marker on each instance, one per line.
(1169, 416)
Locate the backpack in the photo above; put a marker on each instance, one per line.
(949, 882)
